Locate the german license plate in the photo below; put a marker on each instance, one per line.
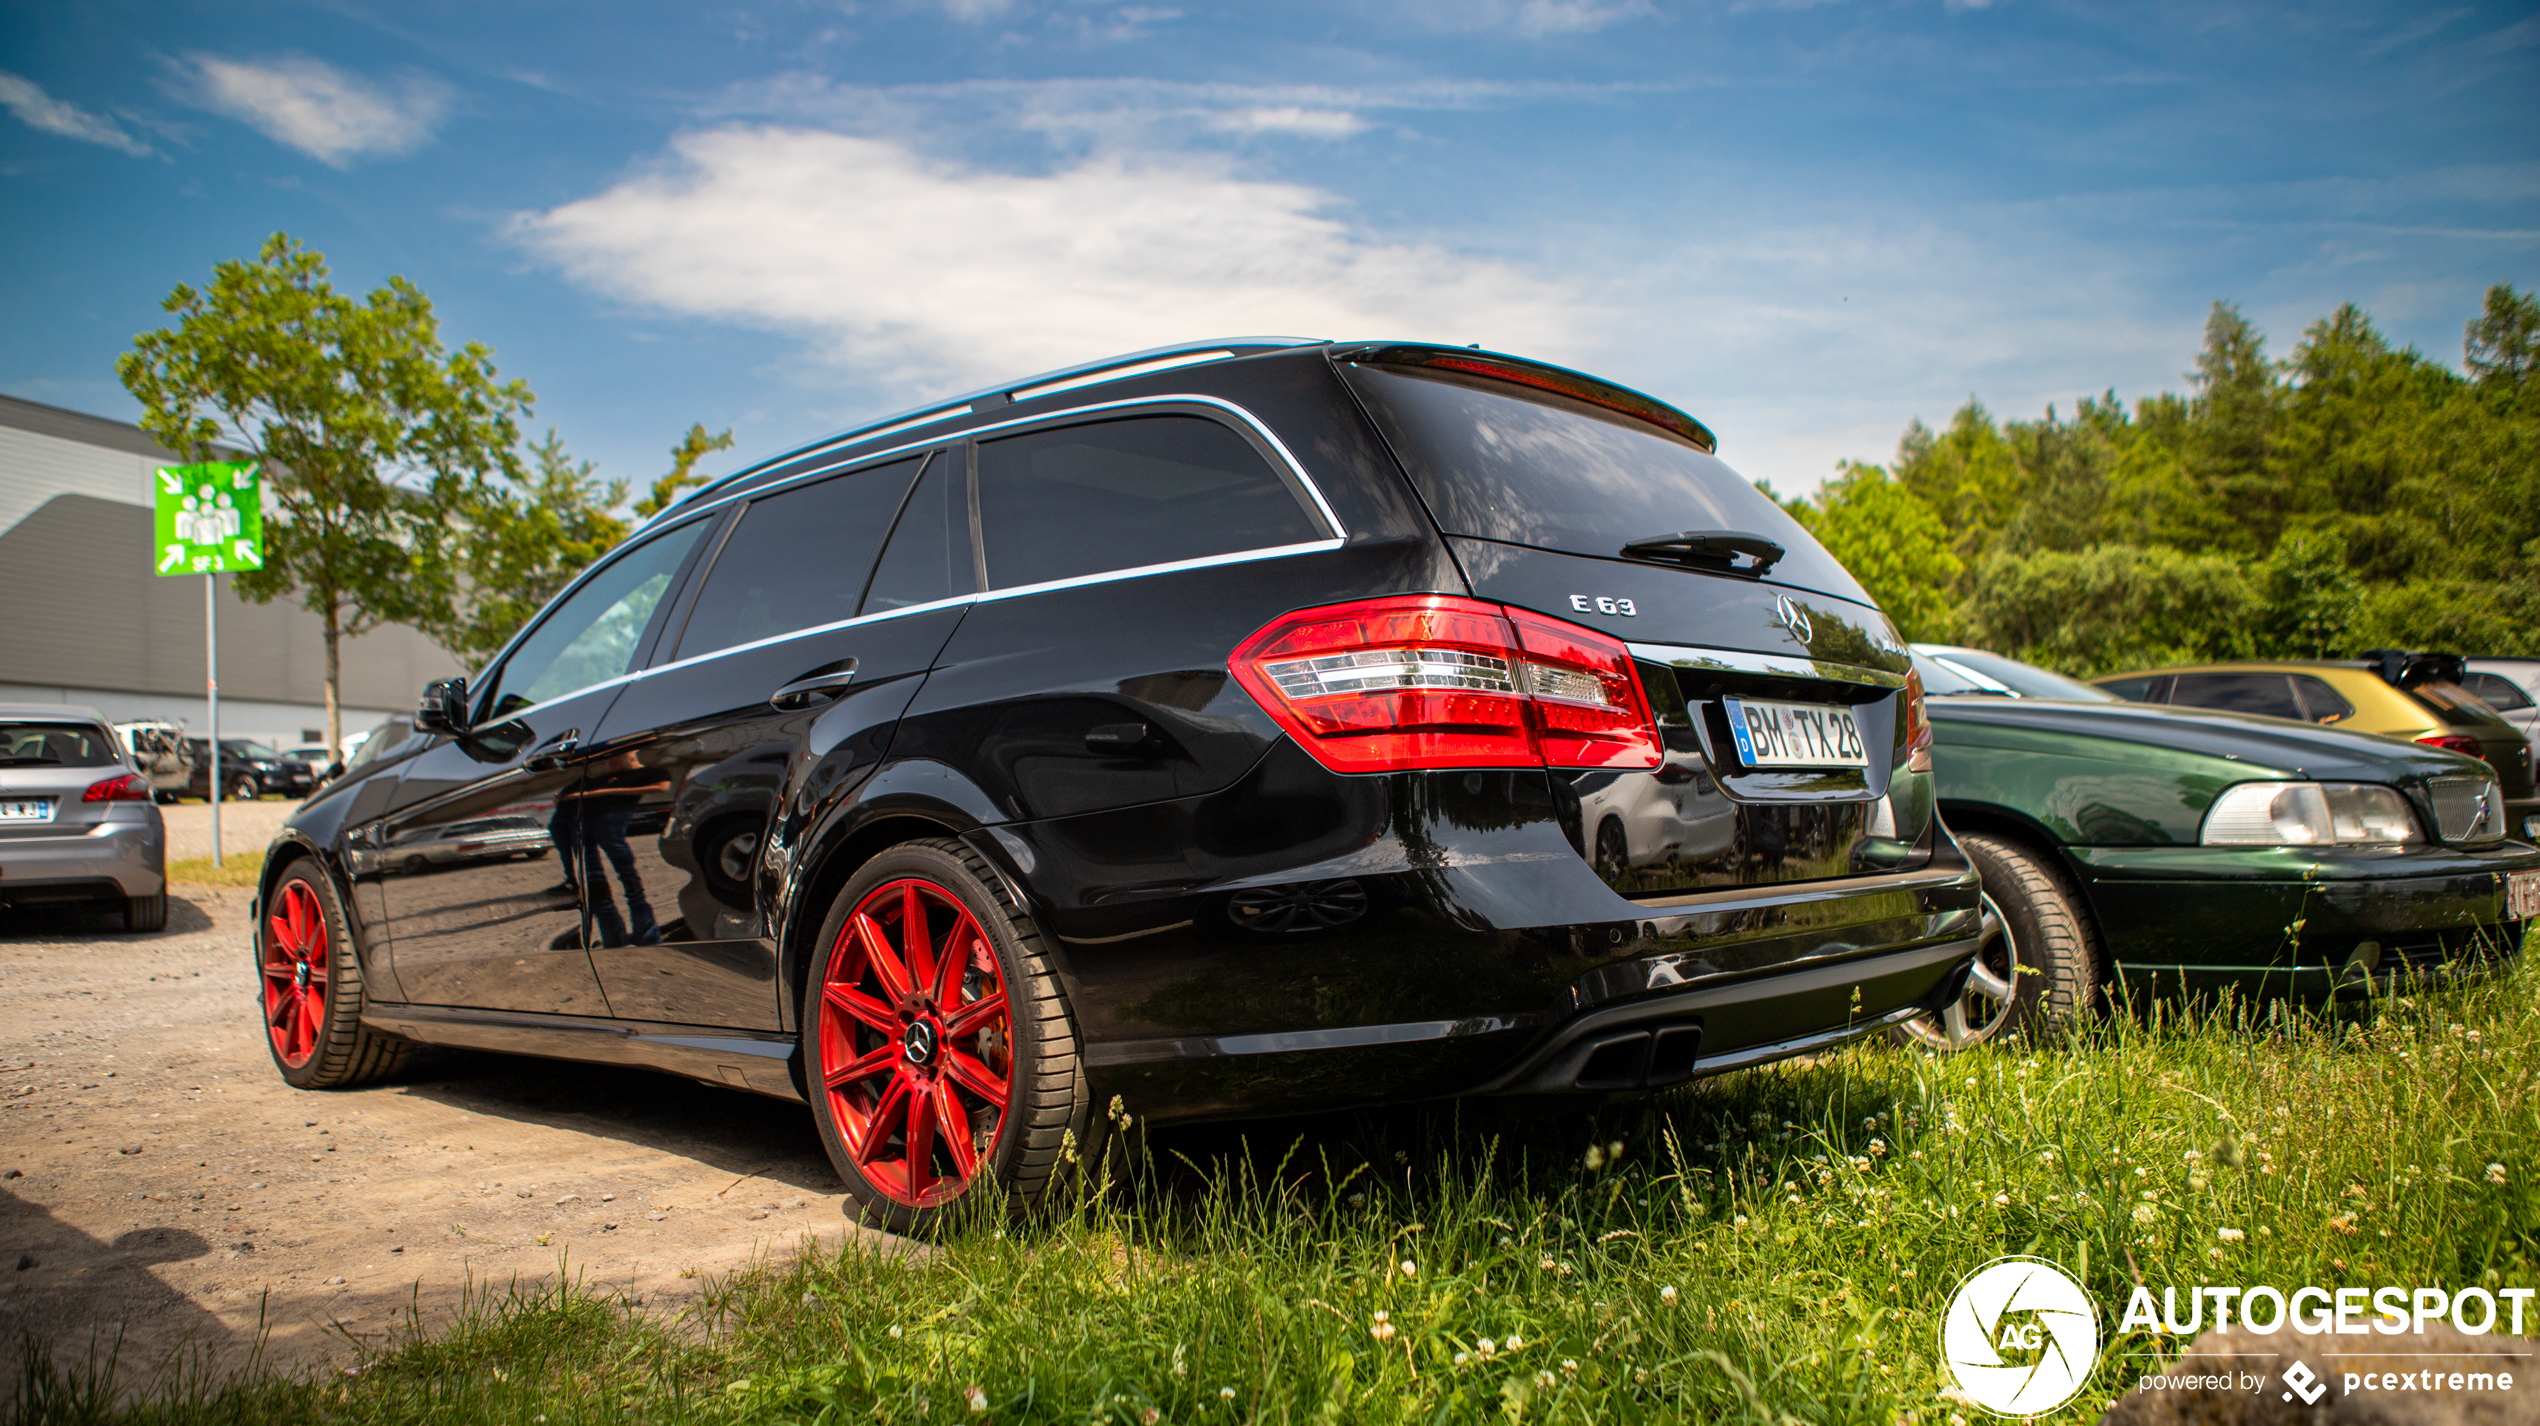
(26, 809)
(1795, 734)
(2522, 895)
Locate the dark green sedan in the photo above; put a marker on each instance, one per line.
(2167, 850)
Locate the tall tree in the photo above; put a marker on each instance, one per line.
(692, 448)
(1893, 544)
(367, 427)
(515, 542)
(2502, 346)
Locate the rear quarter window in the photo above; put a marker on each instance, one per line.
(1111, 495)
(1502, 462)
(2138, 690)
(2321, 703)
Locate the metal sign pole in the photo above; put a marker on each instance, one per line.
(211, 688)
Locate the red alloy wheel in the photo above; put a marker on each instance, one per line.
(295, 959)
(916, 1046)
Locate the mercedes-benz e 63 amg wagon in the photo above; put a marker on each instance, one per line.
(1257, 727)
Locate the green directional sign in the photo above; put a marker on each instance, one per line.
(211, 518)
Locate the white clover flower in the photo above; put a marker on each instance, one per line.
(1410, 1268)
(1382, 1328)
(1516, 1343)
(1227, 1392)
(2495, 1173)
(1595, 1158)
(1546, 1380)
(1570, 1365)
(2229, 1235)
(1463, 1357)
(1741, 1221)
(895, 1331)
(978, 1398)
(2143, 1213)
(2001, 1200)
(1486, 1348)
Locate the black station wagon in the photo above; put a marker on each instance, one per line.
(1247, 728)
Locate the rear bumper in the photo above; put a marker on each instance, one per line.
(2308, 925)
(100, 862)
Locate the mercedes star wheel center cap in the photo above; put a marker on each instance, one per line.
(919, 1042)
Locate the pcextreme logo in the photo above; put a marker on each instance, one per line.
(2019, 1337)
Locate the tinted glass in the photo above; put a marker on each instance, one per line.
(1941, 679)
(1499, 462)
(2321, 703)
(388, 738)
(2268, 693)
(56, 745)
(929, 554)
(593, 635)
(797, 560)
(1117, 494)
(2027, 680)
(240, 747)
(2453, 704)
(2496, 692)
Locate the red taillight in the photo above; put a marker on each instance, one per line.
(1918, 737)
(1441, 681)
(2460, 743)
(128, 788)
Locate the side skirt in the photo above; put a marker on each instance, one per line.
(759, 1061)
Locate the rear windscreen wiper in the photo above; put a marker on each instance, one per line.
(1716, 551)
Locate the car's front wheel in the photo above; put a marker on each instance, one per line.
(2037, 966)
(312, 989)
(940, 1053)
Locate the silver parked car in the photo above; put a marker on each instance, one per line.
(77, 819)
(2512, 688)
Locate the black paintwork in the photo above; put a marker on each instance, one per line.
(1238, 929)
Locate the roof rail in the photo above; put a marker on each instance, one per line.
(1047, 383)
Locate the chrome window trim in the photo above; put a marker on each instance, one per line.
(1314, 493)
(1266, 552)
(1702, 660)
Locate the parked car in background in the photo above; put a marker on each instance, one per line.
(2414, 697)
(248, 770)
(78, 823)
(1215, 729)
(2512, 688)
(315, 757)
(161, 754)
(2170, 849)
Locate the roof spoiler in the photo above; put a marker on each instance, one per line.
(1561, 381)
(2401, 669)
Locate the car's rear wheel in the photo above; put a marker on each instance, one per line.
(245, 789)
(312, 989)
(146, 913)
(940, 1054)
(2037, 967)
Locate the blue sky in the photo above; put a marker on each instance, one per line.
(1804, 222)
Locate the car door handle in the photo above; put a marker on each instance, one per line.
(551, 754)
(814, 687)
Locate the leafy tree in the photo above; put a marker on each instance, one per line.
(2503, 344)
(693, 447)
(2113, 607)
(367, 426)
(517, 542)
(1893, 544)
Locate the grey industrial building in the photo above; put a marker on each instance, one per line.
(86, 621)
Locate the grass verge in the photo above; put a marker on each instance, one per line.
(236, 869)
(1772, 1246)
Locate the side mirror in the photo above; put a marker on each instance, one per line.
(443, 708)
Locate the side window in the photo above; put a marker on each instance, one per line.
(2133, 690)
(592, 636)
(2321, 703)
(798, 559)
(1116, 494)
(929, 554)
(2496, 692)
(2267, 693)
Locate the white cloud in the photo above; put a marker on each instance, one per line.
(312, 106)
(927, 274)
(1291, 119)
(38, 110)
(1530, 18)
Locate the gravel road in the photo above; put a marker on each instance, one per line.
(244, 827)
(159, 1181)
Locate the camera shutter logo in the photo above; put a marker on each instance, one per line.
(2020, 1337)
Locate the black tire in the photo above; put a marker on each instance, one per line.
(1046, 1126)
(1613, 850)
(146, 913)
(2040, 943)
(246, 789)
(343, 1052)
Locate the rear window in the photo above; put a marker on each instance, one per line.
(1940, 678)
(56, 745)
(2453, 704)
(2496, 692)
(1501, 462)
(2027, 680)
(1119, 494)
(797, 560)
(2269, 694)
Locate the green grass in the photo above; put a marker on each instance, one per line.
(1771, 1246)
(236, 869)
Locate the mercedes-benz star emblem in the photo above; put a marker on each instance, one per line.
(919, 1042)
(1793, 618)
